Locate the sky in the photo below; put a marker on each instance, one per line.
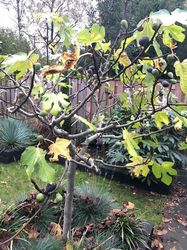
(6, 18)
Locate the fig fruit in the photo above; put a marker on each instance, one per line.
(150, 69)
(37, 66)
(40, 138)
(40, 197)
(155, 72)
(165, 84)
(58, 198)
(124, 24)
(80, 70)
(170, 58)
(144, 41)
(173, 81)
(170, 74)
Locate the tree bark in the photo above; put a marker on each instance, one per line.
(68, 208)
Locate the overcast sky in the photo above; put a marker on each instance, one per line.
(6, 18)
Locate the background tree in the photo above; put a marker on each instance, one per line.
(112, 12)
(11, 43)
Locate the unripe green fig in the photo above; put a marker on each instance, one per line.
(42, 113)
(139, 66)
(150, 69)
(144, 41)
(170, 74)
(124, 24)
(155, 72)
(37, 66)
(58, 198)
(170, 58)
(118, 143)
(173, 81)
(40, 197)
(40, 138)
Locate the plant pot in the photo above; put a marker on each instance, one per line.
(8, 157)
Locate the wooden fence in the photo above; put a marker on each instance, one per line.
(105, 99)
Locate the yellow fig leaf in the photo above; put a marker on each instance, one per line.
(123, 57)
(181, 71)
(178, 123)
(60, 147)
(139, 165)
(161, 117)
(69, 245)
(130, 144)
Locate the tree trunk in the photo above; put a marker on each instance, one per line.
(68, 208)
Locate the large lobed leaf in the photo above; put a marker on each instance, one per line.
(34, 159)
(60, 147)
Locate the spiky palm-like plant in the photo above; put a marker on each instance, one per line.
(91, 205)
(131, 231)
(15, 136)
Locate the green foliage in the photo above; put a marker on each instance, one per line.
(34, 158)
(94, 35)
(47, 243)
(15, 136)
(55, 103)
(103, 240)
(20, 63)
(91, 205)
(131, 231)
(11, 43)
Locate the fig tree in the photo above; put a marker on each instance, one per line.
(144, 41)
(124, 24)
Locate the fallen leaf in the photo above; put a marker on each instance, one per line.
(129, 205)
(156, 244)
(32, 232)
(56, 230)
(166, 220)
(173, 248)
(185, 232)
(162, 232)
(182, 222)
(171, 229)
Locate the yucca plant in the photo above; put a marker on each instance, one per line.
(15, 136)
(91, 205)
(131, 231)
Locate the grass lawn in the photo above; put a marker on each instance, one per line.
(14, 182)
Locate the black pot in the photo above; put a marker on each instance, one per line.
(8, 157)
